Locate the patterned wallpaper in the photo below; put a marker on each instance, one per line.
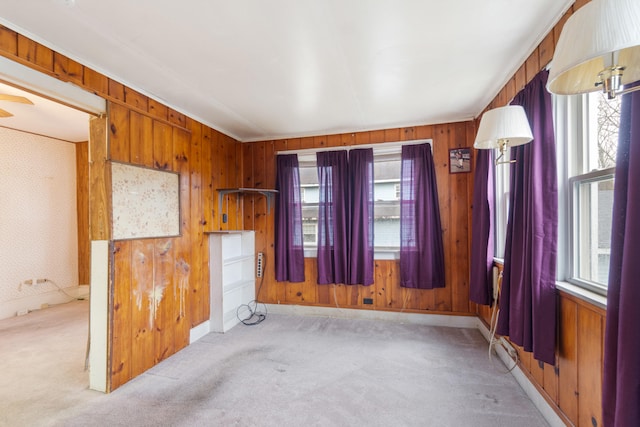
(38, 222)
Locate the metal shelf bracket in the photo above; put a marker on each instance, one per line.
(265, 192)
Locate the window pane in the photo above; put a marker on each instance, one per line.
(386, 210)
(501, 209)
(608, 122)
(310, 233)
(309, 184)
(592, 230)
(386, 191)
(587, 138)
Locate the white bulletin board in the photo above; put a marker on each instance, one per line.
(146, 202)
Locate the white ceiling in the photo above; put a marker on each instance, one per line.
(44, 117)
(257, 69)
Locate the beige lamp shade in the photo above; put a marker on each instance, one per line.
(603, 35)
(503, 126)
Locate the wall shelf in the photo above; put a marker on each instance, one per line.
(265, 192)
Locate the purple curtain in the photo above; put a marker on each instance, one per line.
(289, 247)
(421, 250)
(528, 295)
(481, 284)
(621, 384)
(361, 233)
(333, 216)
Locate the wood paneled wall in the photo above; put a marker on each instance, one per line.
(159, 287)
(574, 385)
(537, 60)
(454, 191)
(150, 319)
(82, 202)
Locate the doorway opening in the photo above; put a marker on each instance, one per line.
(44, 159)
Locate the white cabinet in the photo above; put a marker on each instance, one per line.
(232, 276)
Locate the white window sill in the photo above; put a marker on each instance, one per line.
(584, 294)
(388, 254)
(575, 290)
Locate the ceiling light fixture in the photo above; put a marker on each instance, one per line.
(599, 48)
(501, 128)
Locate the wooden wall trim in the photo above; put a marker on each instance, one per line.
(180, 123)
(82, 207)
(536, 62)
(27, 52)
(99, 181)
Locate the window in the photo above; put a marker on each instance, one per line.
(586, 128)
(386, 208)
(310, 232)
(501, 209)
(591, 144)
(386, 196)
(591, 205)
(309, 198)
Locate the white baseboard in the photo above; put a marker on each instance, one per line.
(521, 378)
(427, 319)
(30, 303)
(199, 331)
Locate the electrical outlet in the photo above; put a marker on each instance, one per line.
(260, 266)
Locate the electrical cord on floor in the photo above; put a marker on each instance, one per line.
(77, 298)
(493, 325)
(71, 297)
(63, 291)
(251, 316)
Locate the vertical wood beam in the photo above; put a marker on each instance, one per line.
(99, 181)
(82, 208)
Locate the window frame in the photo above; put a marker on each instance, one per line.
(502, 196)
(305, 244)
(574, 247)
(380, 150)
(574, 123)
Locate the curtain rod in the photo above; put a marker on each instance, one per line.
(380, 146)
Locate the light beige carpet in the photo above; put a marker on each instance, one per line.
(287, 371)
